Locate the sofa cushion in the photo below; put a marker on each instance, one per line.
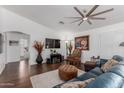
(122, 86)
(118, 69)
(118, 58)
(108, 65)
(97, 71)
(98, 64)
(86, 76)
(107, 80)
(77, 84)
(103, 61)
(121, 63)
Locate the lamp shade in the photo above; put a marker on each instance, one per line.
(122, 44)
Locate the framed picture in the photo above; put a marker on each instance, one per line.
(82, 42)
(13, 43)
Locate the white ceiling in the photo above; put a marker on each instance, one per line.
(50, 15)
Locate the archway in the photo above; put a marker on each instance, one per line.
(16, 46)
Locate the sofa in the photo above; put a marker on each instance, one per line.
(113, 78)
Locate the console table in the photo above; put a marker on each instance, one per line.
(55, 58)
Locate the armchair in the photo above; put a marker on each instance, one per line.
(74, 58)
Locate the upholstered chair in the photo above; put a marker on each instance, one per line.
(74, 58)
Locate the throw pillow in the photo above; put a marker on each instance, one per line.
(103, 61)
(77, 84)
(108, 65)
(118, 58)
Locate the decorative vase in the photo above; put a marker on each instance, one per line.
(39, 58)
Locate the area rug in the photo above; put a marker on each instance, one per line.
(48, 79)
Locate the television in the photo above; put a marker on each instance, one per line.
(1, 43)
(52, 43)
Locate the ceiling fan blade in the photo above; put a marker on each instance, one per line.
(92, 10)
(76, 21)
(97, 18)
(79, 11)
(103, 12)
(89, 22)
(73, 17)
(81, 22)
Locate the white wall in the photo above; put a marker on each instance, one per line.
(14, 22)
(104, 41)
(65, 35)
(2, 58)
(2, 55)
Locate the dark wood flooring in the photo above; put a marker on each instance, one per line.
(17, 74)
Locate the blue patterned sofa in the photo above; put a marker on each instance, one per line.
(114, 78)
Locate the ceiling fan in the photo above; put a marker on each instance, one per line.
(89, 16)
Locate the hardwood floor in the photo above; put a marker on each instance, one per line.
(17, 74)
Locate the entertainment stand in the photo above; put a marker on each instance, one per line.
(55, 58)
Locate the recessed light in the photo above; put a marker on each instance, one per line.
(61, 22)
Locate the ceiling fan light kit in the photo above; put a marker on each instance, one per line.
(85, 18)
(89, 16)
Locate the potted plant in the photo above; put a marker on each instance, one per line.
(38, 45)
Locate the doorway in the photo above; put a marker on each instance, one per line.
(17, 46)
(24, 49)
